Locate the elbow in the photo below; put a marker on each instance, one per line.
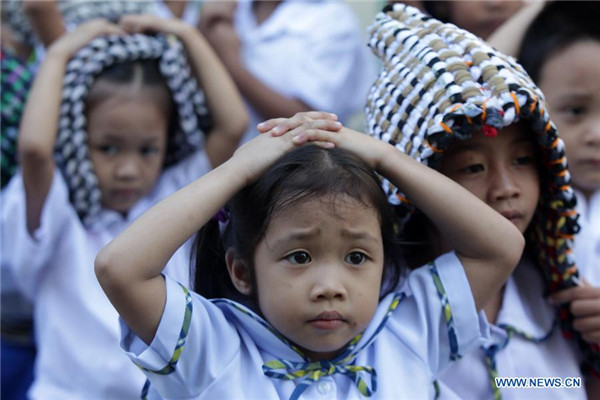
(106, 267)
(236, 127)
(32, 152)
(513, 249)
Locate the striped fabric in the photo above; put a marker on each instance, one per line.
(440, 83)
(72, 152)
(16, 79)
(491, 351)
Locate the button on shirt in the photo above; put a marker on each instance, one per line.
(226, 345)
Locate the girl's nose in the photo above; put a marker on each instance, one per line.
(503, 184)
(128, 168)
(592, 135)
(328, 285)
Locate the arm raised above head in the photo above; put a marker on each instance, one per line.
(508, 37)
(488, 245)
(39, 125)
(129, 268)
(226, 105)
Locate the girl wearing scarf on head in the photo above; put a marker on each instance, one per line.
(115, 121)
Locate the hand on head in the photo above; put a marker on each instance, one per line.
(323, 129)
(149, 24)
(70, 43)
(585, 305)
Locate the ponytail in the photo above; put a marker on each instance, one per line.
(210, 276)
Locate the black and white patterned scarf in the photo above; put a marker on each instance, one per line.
(72, 152)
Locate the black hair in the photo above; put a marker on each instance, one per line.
(306, 173)
(144, 72)
(558, 25)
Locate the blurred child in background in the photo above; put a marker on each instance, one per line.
(103, 137)
(291, 56)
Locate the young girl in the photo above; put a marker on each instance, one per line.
(450, 100)
(566, 65)
(309, 243)
(129, 109)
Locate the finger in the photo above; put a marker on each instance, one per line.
(585, 307)
(315, 135)
(587, 324)
(269, 124)
(321, 115)
(320, 125)
(324, 145)
(574, 293)
(591, 337)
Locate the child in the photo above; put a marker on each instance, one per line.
(451, 101)
(481, 18)
(561, 51)
(291, 56)
(309, 243)
(130, 108)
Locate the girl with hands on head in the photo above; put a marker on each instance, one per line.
(117, 119)
(304, 238)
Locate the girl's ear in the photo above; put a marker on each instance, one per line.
(238, 272)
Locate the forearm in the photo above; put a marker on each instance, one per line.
(144, 248)
(508, 37)
(224, 100)
(46, 20)
(266, 101)
(37, 134)
(488, 245)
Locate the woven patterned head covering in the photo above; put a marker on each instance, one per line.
(72, 152)
(440, 83)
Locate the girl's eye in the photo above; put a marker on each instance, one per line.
(356, 258)
(575, 112)
(472, 169)
(108, 149)
(299, 257)
(524, 160)
(147, 151)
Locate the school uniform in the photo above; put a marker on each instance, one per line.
(76, 327)
(310, 51)
(587, 241)
(526, 341)
(218, 349)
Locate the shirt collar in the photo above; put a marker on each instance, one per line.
(524, 306)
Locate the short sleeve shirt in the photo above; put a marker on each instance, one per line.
(216, 349)
(76, 327)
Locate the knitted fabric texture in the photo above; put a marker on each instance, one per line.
(74, 12)
(72, 152)
(16, 78)
(440, 83)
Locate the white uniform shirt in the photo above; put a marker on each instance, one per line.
(587, 241)
(311, 51)
(525, 308)
(225, 345)
(76, 327)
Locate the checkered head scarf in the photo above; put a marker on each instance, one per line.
(440, 83)
(72, 152)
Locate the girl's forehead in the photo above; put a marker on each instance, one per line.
(515, 134)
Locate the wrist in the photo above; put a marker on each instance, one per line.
(57, 53)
